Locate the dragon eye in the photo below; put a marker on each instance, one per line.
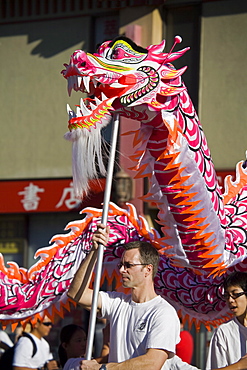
(115, 54)
(83, 64)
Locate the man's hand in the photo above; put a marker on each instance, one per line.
(89, 365)
(52, 365)
(239, 365)
(79, 289)
(242, 363)
(100, 236)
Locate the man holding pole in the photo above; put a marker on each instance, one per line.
(144, 328)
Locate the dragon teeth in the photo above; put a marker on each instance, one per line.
(103, 97)
(84, 109)
(70, 112)
(86, 80)
(93, 107)
(69, 109)
(78, 112)
(97, 101)
(79, 79)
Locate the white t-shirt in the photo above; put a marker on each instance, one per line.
(24, 351)
(136, 327)
(73, 363)
(175, 363)
(228, 344)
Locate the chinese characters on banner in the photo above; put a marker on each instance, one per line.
(55, 195)
(68, 198)
(30, 198)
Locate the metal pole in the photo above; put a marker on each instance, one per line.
(104, 218)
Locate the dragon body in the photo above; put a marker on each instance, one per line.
(203, 231)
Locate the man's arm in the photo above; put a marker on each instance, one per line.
(239, 365)
(79, 289)
(153, 359)
(52, 365)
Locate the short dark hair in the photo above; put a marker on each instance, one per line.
(148, 253)
(236, 278)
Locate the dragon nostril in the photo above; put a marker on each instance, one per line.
(83, 64)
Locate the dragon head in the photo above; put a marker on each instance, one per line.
(121, 76)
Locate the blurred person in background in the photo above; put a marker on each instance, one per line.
(72, 346)
(229, 341)
(5, 342)
(24, 356)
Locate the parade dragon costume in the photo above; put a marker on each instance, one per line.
(203, 232)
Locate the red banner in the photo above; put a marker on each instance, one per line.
(54, 195)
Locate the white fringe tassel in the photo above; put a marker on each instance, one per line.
(87, 160)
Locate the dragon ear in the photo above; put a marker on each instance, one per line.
(156, 49)
(173, 56)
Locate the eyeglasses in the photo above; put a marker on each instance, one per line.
(47, 323)
(128, 265)
(227, 295)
